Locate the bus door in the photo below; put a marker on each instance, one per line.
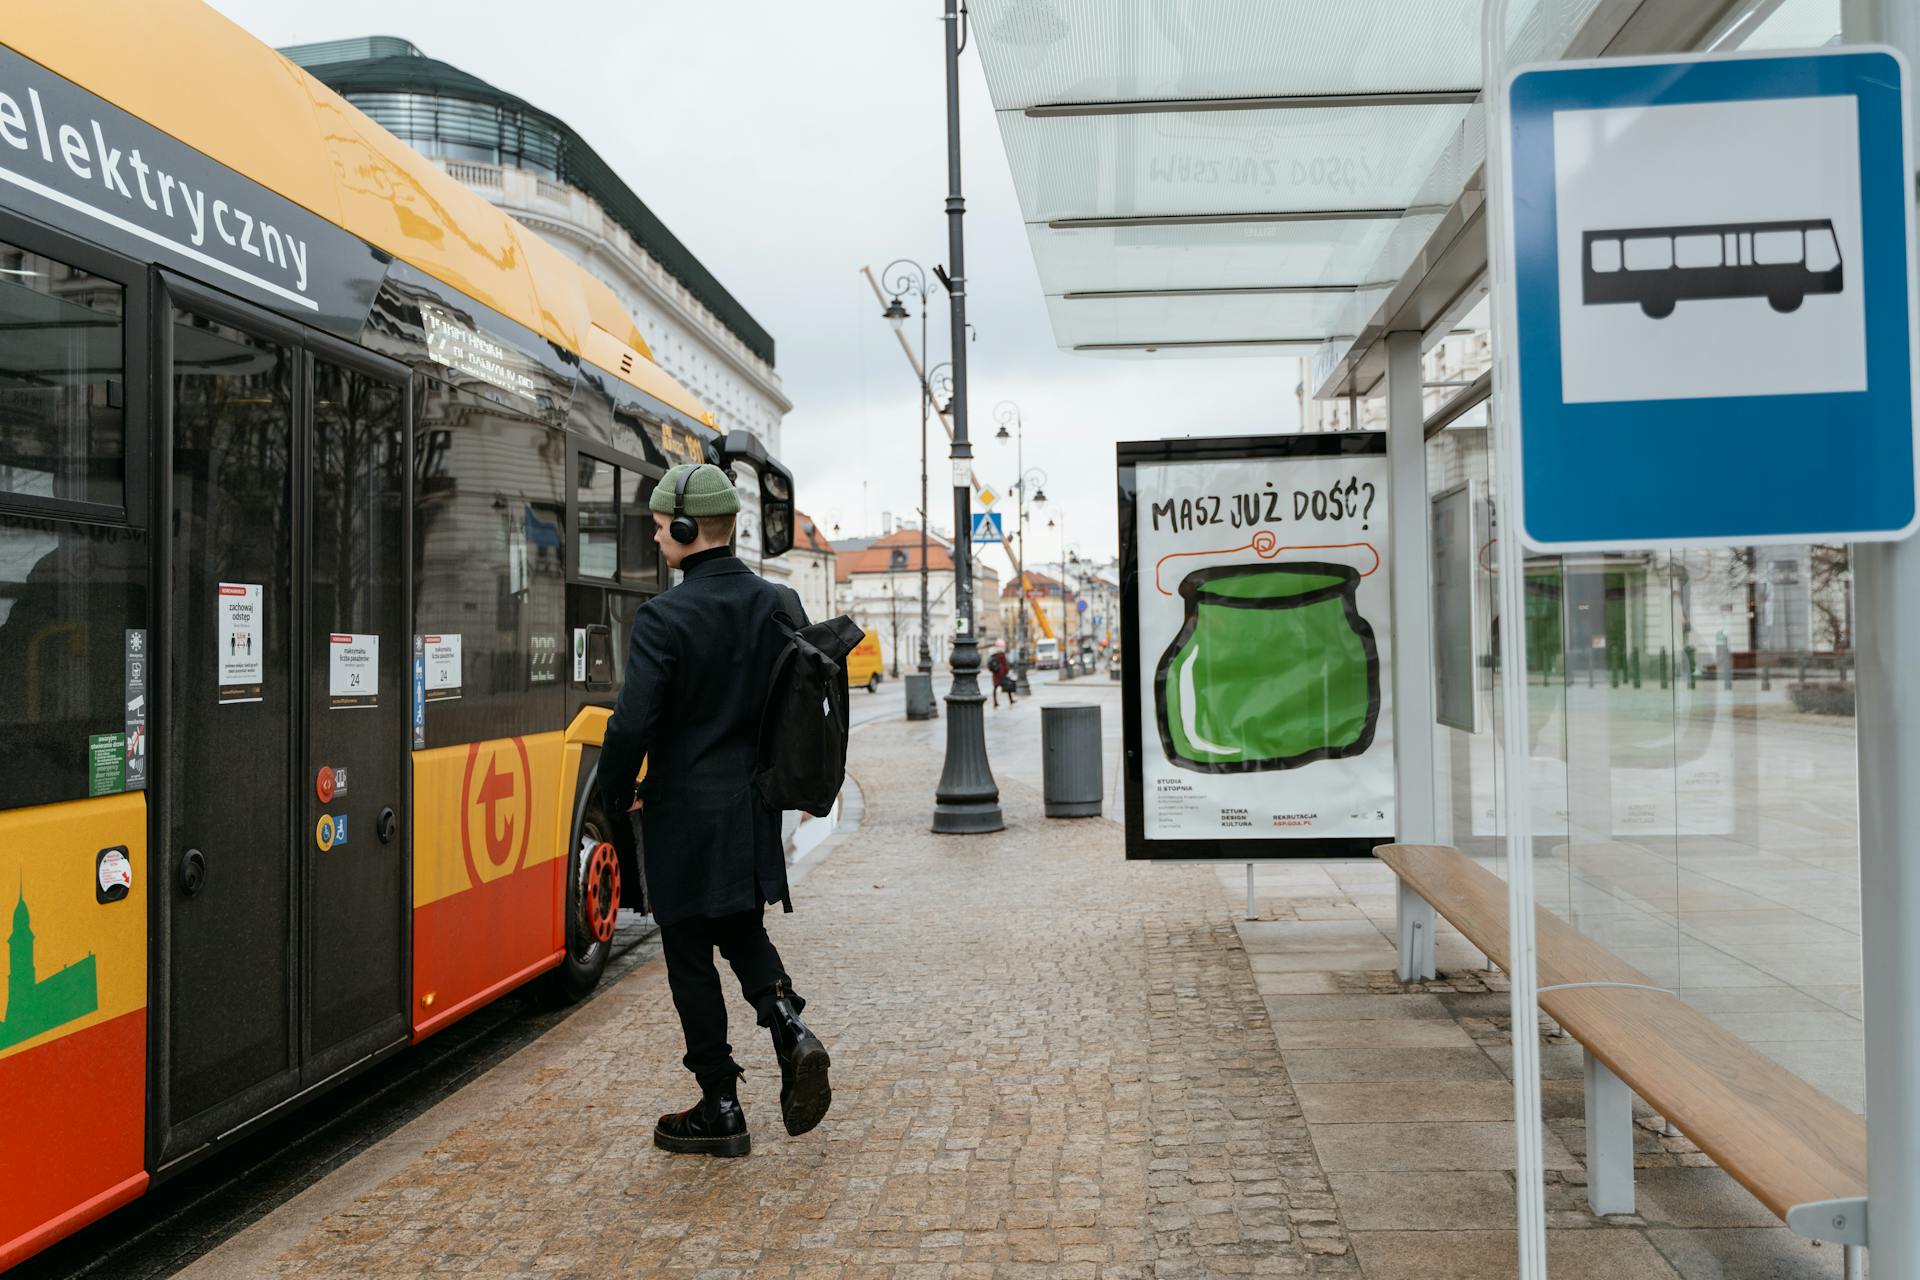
(357, 660)
(283, 937)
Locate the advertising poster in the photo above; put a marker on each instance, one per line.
(1257, 647)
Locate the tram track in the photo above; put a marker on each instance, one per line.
(191, 1213)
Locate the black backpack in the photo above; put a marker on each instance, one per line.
(802, 759)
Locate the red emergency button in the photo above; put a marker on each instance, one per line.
(323, 785)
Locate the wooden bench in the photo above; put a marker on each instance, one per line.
(1801, 1154)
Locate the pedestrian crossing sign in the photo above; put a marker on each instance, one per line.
(986, 526)
(987, 496)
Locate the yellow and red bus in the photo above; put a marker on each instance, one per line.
(323, 508)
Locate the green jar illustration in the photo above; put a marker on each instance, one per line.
(1273, 668)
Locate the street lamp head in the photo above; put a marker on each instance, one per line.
(1002, 433)
(1040, 500)
(895, 314)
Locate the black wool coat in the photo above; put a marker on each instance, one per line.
(698, 668)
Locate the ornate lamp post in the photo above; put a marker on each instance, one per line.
(905, 276)
(967, 799)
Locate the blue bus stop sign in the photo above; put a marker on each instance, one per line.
(1713, 276)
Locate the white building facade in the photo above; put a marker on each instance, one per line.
(536, 168)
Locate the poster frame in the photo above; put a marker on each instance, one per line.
(1128, 454)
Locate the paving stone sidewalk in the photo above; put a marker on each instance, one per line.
(1047, 1063)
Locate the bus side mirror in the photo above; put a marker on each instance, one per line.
(776, 488)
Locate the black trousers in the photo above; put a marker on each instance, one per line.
(695, 981)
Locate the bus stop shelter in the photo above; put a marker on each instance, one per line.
(1248, 179)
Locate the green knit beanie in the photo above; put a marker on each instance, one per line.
(709, 492)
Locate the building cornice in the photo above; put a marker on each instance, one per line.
(720, 340)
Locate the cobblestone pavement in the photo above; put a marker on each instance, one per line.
(1047, 1063)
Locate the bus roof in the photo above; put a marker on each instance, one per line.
(181, 67)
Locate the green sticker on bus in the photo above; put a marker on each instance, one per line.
(106, 764)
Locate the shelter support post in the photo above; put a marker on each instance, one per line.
(1409, 528)
(1887, 584)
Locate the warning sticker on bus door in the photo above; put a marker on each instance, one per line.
(353, 671)
(242, 646)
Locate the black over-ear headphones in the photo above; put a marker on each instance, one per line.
(682, 529)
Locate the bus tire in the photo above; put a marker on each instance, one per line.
(1657, 308)
(1785, 302)
(593, 903)
(873, 683)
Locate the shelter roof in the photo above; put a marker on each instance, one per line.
(1248, 177)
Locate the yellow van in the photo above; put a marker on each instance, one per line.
(864, 663)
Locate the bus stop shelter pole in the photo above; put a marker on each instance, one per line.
(1530, 1213)
(1887, 585)
(1411, 566)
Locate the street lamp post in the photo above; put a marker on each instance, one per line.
(1032, 484)
(896, 560)
(904, 275)
(1067, 644)
(967, 799)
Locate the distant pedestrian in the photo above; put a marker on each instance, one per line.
(699, 667)
(1000, 671)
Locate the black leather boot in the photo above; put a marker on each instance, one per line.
(717, 1127)
(805, 1093)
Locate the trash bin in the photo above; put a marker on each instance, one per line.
(920, 696)
(1072, 782)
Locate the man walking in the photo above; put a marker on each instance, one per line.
(698, 669)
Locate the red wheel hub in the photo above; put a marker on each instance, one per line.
(600, 892)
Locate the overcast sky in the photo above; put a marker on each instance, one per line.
(789, 144)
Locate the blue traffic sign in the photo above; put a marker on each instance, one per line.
(986, 526)
(1081, 605)
(1713, 297)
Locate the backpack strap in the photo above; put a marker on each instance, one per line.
(780, 665)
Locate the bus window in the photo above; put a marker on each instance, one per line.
(1697, 251)
(1775, 248)
(488, 551)
(1649, 253)
(1606, 255)
(68, 593)
(639, 553)
(597, 548)
(62, 381)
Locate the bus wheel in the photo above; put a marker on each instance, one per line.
(593, 904)
(1657, 308)
(1785, 302)
(873, 683)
